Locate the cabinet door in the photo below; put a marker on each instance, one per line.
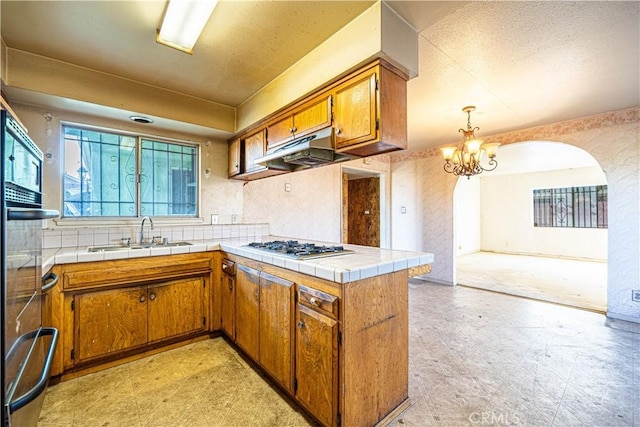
(107, 322)
(176, 308)
(314, 116)
(228, 305)
(247, 310)
(276, 328)
(280, 132)
(254, 148)
(355, 111)
(234, 157)
(317, 364)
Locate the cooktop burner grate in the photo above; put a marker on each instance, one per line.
(297, 250)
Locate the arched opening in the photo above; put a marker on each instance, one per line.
(536, 226)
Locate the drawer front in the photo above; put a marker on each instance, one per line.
(319, 301)
(228, 267)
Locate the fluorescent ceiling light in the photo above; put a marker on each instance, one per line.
(183, 22)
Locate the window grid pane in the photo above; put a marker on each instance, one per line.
(101, 169)
(570, 207)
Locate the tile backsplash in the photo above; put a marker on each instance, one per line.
(94, 236)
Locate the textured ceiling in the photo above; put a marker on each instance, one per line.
(245, 44)
(521, 63)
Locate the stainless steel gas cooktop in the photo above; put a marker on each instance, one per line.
(297, 250)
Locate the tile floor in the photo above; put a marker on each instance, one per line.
(477, 358)
(578, 283)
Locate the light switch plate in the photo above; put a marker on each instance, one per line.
(214, 218)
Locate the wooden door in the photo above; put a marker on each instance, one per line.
(176, 308)
(364, 211)
(317, 364)
(228, 305)
(248, 310)
(108, 322)
(355, 111)
(254, 148)
(276, 328)
(234, 157)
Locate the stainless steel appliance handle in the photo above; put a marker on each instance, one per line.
(49, 276)
(41, 385)
(30, 214)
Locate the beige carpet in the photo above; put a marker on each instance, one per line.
(575, 283)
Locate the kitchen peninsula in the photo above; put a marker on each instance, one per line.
(331, 332)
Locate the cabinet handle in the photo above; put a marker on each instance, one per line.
(300, 324)
(294, 129)
(230, 287)
(143, 298)
(338, 130)
(152, 296)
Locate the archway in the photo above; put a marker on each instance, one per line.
(515, 233)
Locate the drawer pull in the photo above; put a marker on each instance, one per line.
(143, 298)
(300, 324)
(152, 296)
(315, 302)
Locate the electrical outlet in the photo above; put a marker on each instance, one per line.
(635, 295)
(234, 219)
(287, 187)
(214, 218)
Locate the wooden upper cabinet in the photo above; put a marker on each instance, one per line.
(235, 157)
(248, 310)
(310, 117)
(254, 148)
(108, 322)
(176, 308)
(276, 328)
(355, 111)
(370, 113)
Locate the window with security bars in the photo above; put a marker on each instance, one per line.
(110, 174)
(570, 207)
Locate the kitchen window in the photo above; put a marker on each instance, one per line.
(570, 207)
(113, 174)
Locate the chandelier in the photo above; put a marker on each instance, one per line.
(465, 160)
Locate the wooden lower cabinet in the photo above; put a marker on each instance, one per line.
(108, 322)
(112, 321)
(264, 322)
(317, 364)
(248, 310)
(228, 299)
(176, 308)
(276, 328)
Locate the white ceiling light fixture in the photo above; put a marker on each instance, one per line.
(183, 22)
(465, 159)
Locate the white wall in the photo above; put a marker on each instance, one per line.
(507, 216)
(218, 194)
(468, 218)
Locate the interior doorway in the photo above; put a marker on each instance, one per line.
(504, 244)
(363, 207)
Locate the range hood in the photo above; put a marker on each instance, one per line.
(309, 151)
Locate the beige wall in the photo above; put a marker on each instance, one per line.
(507, 216)
(611, 138)
(313, 208)
(218, 194)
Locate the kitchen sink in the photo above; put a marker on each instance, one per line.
(112, 248)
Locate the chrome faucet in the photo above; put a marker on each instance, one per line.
(142, 228)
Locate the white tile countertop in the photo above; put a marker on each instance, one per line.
(365, 262)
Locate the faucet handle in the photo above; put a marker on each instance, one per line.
(126, 241)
